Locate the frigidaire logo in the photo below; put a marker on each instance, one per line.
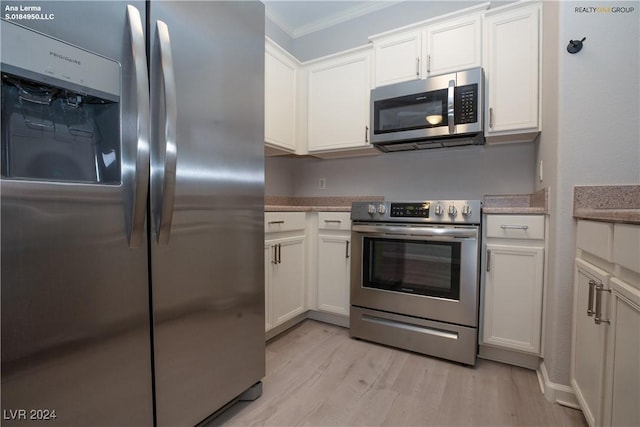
(64, 58)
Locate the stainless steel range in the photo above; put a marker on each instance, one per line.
(414, 276)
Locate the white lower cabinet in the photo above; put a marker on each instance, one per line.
(605, 358)
(285, 262)
(589, 338)
(622, 385)
(513, 297)
(334, 262)
(307, 257)
(512, 287)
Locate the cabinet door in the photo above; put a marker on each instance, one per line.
(280, 73)
(338, 115)
(513, 297)
(288, 279)
(623, 356)
(511, 66)
(334, 259)
(588, 345)
(454, 45)
(397, 58)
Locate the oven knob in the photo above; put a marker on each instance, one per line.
(452, 210)
(371, 209)
(382, 209)
(438, 210)
(466, 210)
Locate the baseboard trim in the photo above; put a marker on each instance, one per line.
(529, 361)
(553, 392)
(272, 333)
(334, 319)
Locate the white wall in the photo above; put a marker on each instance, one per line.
(279, 179)
(461, 173)
(593, 139)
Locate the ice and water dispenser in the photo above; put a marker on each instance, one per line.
(60, 111)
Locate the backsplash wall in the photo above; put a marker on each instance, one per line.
(460, 173)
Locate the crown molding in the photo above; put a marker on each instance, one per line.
(334, 19)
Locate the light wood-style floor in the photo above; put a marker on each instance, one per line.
(318, 376)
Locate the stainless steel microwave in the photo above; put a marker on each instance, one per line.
(440, 111)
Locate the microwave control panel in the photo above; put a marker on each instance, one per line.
(466, 104)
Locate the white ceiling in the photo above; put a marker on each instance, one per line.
(300, 17)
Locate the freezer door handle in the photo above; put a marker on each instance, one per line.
(141, 183)
(165, 179)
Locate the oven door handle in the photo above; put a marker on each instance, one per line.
(440, 233)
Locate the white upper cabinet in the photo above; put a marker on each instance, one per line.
(445, 44)
(281, 75)
(511, 60)
(338, 101)
(453, 45)
(398, 58)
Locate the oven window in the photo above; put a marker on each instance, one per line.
(412, 266)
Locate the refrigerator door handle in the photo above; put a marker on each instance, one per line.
(165, 214)
(141, 184)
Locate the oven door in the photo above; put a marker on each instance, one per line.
(429, 272)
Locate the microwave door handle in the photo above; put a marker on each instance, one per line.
(450, 109)
(141, 179)
(165, 215)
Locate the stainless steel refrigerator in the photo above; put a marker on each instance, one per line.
(132, 210)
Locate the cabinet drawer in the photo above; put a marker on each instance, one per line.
(283, 221)
(596, 238)
(515, 226)
(626, 246)
(334, 221)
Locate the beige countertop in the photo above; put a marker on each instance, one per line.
(610, 203)
(304, 208)
(514, 204)
(314, 204)
(517, 204)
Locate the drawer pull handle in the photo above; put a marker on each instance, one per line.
(275, 222)
(336, 221)
(598, 314)
(592, 286)
(514, 227)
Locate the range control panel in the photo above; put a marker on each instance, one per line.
(410, 210)
(431, 211)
